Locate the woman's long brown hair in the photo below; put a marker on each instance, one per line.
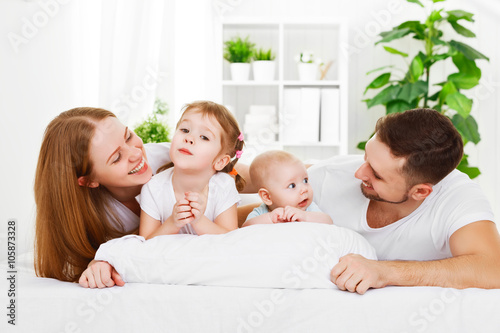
(71, 220)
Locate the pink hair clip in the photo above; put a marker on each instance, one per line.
(238, 153)
(240, 137)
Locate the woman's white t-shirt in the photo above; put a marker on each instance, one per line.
(158, 155)
(423, 235)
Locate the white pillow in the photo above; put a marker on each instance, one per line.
(285, 255)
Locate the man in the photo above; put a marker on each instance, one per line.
(429, 223)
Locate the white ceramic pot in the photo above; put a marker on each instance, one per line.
(307, 71)
(263, 70)
(240, 71)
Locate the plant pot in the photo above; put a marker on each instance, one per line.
(307, 71)
(240, 71)
(263, 70)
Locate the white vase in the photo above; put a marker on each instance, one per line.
(240, 71)
(307, 71)
(263, 70)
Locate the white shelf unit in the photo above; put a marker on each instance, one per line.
(327, 38)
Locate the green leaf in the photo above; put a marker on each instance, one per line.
(396, 33)
(463, 80)
(415, 26)
(434, 97)
(448, 88)
(397, 106)
(385, 96)
(466, 66)
(416, 1)
(410, 91)
(435, 16)
(463, 166)
(434, 1)
(378, 69)
(416, 69)
(462, 30)
(467, 127)
(460, 15)
(361, 145)
(469, 52)
(460, 103)
(379, 82)
(394, 51)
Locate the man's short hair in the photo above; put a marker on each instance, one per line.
(428, 141)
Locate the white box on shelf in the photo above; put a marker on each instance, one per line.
(330, 116)
(290, 123)
(261, 124)
(309, 115)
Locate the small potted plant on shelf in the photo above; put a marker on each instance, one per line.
(307, 65)
(239, 53)
(263, 65)
(153, 129)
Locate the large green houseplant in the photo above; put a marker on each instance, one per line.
(413, 88)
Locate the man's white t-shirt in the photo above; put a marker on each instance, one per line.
(423, 235)
(158, 155)
(158, 197)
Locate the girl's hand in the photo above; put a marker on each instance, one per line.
(182, 213)
(277, 215)
(293, 214)
(100, 274)
(198, 203)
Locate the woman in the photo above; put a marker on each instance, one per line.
(90, 169)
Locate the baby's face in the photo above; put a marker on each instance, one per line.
(288, 185)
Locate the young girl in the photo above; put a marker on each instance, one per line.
(197, 195)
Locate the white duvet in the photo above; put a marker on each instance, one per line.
(287, 255)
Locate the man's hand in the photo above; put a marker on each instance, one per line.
(100, 274)
(355, 273)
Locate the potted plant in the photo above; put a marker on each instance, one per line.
(239, 53)
(414, 89)
(263, 65)
(153, 129)
(307, 66)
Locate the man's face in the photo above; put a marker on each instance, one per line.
(381, 175)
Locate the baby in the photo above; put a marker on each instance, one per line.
(284, 188)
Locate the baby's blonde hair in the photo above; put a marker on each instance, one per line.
(263, 165)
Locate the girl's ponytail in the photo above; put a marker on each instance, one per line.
(229, 168)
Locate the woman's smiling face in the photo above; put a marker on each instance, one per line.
(118, 156)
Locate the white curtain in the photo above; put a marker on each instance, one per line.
(130, 40)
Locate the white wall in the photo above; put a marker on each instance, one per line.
(51, 72)
(366, 19)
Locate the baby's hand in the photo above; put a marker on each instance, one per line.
(293, 214)
(277, 215)
(182, 213)
(198, 204)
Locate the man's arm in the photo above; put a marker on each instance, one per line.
(475, 263)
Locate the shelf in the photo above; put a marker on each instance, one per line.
(251, 83)
(296, 144)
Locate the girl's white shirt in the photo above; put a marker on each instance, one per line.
(158, 197)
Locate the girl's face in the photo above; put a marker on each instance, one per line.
(196, 144)
(118, 156)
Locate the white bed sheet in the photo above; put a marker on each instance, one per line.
(48, 305)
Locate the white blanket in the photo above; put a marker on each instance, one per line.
(286, 255)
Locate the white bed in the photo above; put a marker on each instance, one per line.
(47, 305)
